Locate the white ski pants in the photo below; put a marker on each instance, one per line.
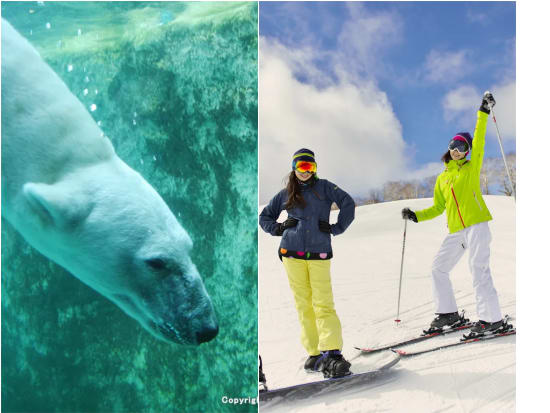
(477, 239)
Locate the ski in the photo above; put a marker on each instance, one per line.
(305, 390)
(413, 340)
(458, 343)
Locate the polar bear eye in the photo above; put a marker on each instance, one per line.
(156, 263)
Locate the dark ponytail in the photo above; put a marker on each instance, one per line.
(446, 157)
(295, 197)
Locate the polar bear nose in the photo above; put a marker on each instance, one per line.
(207, 333)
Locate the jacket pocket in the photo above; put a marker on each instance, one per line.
(291, 238)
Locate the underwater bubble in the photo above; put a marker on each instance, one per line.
(134, 122)
(141, 161)
(96, 91)
(93, 107)
(86, 79)
(31, 11)
(154, 158)
(85, 92)
(40, 3)
(69, 68)
(135, 114)
(48, 25)
(79, 32)
(98, 123)
(30, 32)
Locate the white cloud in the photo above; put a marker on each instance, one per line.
(461, 104)
(352, 129)
(365, 38)
(476, 17)
(505, 109)
(301, 62)
(446, 66)
(429, 169)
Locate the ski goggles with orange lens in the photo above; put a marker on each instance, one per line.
(305, 166)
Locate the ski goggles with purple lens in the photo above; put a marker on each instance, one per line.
(460, 145)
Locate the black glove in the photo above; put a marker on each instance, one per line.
(406, 213)
(487, 103)
(289, 223)
(324, 226)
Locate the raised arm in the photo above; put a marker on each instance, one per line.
(478, 144)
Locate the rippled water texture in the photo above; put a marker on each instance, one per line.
(174, 86)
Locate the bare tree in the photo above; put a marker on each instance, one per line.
(484, 179)
(428, 185)
(408, 190)
(393, 191)
(504, 180)
(375, 196)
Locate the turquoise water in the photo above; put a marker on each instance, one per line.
(174, 86)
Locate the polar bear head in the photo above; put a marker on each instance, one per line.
(111, 229)
(73, 199)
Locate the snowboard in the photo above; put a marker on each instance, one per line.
(315, 388)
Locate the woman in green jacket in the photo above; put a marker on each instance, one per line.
(457, 191)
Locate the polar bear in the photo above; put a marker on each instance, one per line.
(74, 200)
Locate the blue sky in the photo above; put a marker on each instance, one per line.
(380, 87)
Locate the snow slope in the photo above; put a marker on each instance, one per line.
(365, 273)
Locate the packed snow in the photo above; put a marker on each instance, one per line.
(365, 276)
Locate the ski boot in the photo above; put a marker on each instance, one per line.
(450, 320)
(333, 364)
(482, 328)
(312, 363)
(261, 377)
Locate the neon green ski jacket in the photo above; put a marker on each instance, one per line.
(457, 189)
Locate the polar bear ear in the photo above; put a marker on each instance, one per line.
(55, 205)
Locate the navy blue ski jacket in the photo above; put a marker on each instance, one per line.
(306, 236)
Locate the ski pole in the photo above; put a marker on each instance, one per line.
(501, 148)
(397, 320)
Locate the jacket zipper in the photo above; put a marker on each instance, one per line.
(478, 204)
(457, 207)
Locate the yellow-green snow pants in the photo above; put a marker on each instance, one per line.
(310, 283)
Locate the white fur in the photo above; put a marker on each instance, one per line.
(74, 200)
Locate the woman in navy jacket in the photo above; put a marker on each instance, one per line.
(306, 251)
